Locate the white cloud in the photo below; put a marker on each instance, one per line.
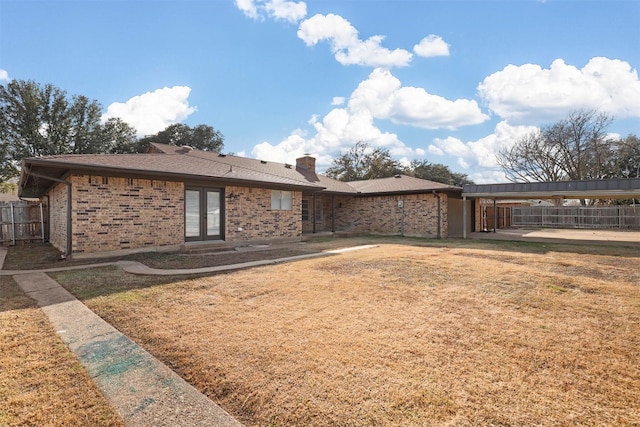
(346, 45)
(488, 177)
(283, 10)
(452, 146)
(531, 94)
(4, 75)
(482, 152)
(249, 8)
(291, 148)
(384, 96)
(431, 45)
(381, 96)
(287, 10)
(152, 112)
(432, 149)
(337, 100)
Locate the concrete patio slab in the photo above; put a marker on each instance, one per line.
(573, 236)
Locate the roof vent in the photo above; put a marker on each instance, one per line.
(287, 165)
(264, 162)
(222, 155)
(397, 176)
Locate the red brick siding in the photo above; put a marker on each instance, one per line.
(382, 214)
(250, 210)
(122, 213)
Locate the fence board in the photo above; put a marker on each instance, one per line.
(21, 221)
(624, 217)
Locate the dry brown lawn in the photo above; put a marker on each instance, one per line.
(407, 334)
(41, 383)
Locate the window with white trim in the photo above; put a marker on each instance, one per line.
(281, 200)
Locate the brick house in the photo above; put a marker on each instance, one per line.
(173, 197)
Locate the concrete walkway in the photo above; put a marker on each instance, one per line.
(141, 389)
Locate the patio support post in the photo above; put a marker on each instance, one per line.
(42, 222)
(13, 226)
(495, 215)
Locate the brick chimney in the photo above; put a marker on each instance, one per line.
(306, 162)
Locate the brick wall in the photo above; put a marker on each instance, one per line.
(110, 213)
(250, 210)
(58, 217)
(382, 214)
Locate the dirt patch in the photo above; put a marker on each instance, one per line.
(398, 335)
(41, 256)
(41, 383)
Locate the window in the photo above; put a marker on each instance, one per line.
(305, 209)
(281, 200)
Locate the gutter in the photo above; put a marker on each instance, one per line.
(28, 172)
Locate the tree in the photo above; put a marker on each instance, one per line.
(361, 162)
(574, 148)
(626, 159)
(437, 172)
(40, 120)
(118, 137)
(33, 122)
(85, 126)
(201, 137)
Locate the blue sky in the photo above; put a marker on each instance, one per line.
(447, 81)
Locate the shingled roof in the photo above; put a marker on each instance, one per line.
(328, 185)
(170, 162)
(399, 184)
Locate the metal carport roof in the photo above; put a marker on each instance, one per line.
(589, 189)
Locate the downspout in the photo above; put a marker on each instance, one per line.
(313, 199)
(333, 213)
(68, 184)
(438, 235)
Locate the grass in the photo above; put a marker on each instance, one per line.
(41, 383)
(410, 333)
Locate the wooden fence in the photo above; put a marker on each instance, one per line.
(22, 221)
(623, 217)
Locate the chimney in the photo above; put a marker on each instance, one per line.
(306, 162)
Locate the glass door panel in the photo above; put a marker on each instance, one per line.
(192, 213)
(213, 213)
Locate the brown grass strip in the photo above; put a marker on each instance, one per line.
(399, 335)
(41, 382)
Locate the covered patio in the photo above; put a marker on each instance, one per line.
(588, 189)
